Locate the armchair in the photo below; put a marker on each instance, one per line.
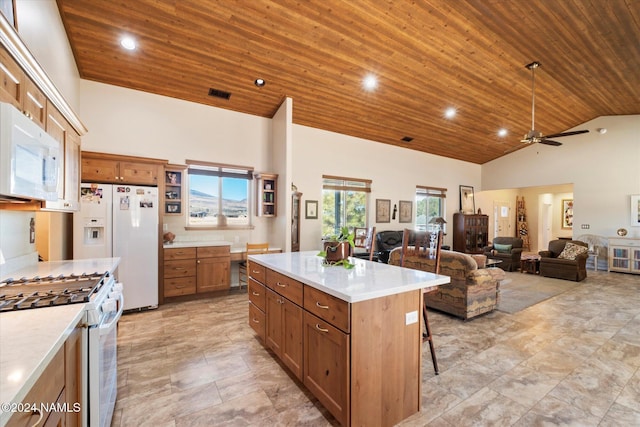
(570, 264)
(385, 242)
(507, 249)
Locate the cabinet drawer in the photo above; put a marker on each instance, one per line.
(257, 321)
(174, 287)
(213, 251)
(179, 268)
(285, 286)
(179, 253)
(257, 294)
(328, 308)
(256, 271)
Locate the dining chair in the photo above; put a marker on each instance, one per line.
(251, 249)
(424, 244)
(365, 238)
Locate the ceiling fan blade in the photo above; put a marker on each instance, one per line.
(549, 142)
(560, 135)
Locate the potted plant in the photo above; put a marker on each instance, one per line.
(338, 247)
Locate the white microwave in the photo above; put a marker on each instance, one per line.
(30, 159)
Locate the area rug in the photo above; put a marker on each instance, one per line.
(520, 290)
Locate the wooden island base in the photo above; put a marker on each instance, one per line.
(361, 359)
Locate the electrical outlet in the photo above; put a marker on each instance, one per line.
(585, 226)
(411, 317)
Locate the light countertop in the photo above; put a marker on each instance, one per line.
(199, 243)
(30, 338)
(367, 280)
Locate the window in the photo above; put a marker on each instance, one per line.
(218, 195)
(344, 203)
(430, 203)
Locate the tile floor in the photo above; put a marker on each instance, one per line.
(573, 360)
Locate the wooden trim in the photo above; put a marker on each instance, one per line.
(217, 165)
(366, 181)
(424, 187)
(346, 188)
(20, 53)
(121, 158)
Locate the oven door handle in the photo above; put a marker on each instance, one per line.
(107, 327)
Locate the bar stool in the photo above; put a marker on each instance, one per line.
(251, 249)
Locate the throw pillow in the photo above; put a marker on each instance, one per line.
(503, 249)
(571, 251)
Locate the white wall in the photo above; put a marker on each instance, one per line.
(395, 172)
(603, 168)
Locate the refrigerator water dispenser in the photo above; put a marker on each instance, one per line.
(94, 231)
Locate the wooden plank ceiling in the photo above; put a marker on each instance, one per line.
(427, 55)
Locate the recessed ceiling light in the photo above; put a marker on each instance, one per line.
(128, 42)
(502, 132)
(450, 113)
(259, 82)
(370, 82)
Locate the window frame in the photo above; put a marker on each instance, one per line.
(345, 185)
(428, 192)
(221, 171)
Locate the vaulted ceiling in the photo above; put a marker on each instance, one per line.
(428, 55)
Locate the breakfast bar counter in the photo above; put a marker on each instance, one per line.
(352, 336)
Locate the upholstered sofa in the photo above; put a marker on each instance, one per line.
(506, 249)
(385, 242)
(554, 264)
(472, 291)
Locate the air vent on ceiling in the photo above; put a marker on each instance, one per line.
(407, 139)
(219, 93)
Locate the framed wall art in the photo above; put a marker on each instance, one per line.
(567, 213)
(383, 210)
(406, 211)
(635, 210)
(310, 209)
(467, 200)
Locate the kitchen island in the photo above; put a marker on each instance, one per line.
(352, 336)
(31, 339)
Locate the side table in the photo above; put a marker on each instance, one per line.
(530, 264)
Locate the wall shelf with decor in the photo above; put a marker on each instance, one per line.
(267, 197)
(173, 189)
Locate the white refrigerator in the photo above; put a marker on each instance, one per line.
(121, 221)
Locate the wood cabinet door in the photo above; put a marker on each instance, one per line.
(72, 171)
(73, 375)
(326, 365)
(99, 170)
(273, 315)
(138, 173)
(35, 103)
(11, 80)
(292, 337)
(213, 274)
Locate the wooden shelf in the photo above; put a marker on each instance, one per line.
(173, 190)
(267, 195)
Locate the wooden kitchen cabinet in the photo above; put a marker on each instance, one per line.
(114, 169)
(194, 270)
(257, 303)
(34, 104)
(356, 385)
(267, 194)
(69, 175)
(173, 190)
(73, 375)
(49, 388)
(12, 80)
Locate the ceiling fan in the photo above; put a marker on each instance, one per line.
(535, 135)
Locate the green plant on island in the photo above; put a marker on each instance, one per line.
(332, 243)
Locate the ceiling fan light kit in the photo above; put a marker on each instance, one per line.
(534, 135)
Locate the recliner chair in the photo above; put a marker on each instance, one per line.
(500, 249)
(385, 242)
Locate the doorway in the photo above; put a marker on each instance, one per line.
(501, 216)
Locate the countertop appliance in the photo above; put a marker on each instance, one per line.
(121, 221)
(104, 303)
(30, 159)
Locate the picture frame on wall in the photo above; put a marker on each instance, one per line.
(383, 210)
(406, 211)
(635, 210)
(567, 213)
(310, 209)
(467, 200)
